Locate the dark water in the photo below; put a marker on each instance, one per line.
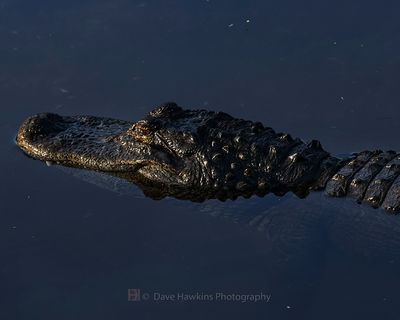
(317, 69)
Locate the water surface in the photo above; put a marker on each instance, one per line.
(317, 69)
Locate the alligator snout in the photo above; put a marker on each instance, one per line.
(90, 142)
(39, 127)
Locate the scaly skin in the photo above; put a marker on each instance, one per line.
(200, 154)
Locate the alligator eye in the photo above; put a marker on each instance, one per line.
(141, 127)
(141, 131)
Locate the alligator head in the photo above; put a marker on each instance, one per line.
(154, 150)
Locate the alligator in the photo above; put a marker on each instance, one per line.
(200, 154)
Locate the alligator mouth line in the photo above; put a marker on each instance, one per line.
(76, 160)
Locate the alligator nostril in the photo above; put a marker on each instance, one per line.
(46, 123)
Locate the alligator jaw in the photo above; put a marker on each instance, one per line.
(89, 142)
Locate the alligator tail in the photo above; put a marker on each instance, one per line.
(371, 177)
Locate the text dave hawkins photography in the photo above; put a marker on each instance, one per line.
(137, 295)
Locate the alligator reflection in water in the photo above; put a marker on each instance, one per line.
(199, 154)
(291, 227)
